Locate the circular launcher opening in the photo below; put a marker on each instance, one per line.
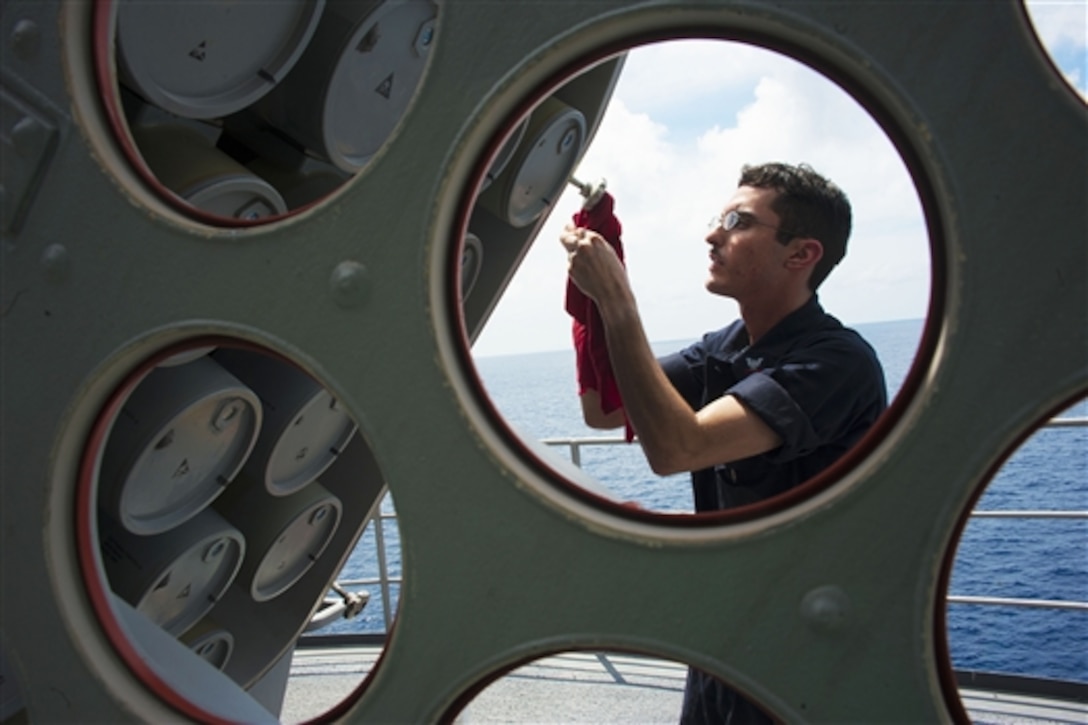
(237, 113)
(1014, 616)
(233, 506)
(606, 686)
(661, 132)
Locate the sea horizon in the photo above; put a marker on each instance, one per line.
(680, 340)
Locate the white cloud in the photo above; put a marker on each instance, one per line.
(660, 77)
(1059, 22)
(1062, 28)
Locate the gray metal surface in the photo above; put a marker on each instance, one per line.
(99, 274)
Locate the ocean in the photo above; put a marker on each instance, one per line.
(1007, 558)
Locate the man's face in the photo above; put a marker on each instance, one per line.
(747, 261)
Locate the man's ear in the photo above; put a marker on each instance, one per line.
(804, 252)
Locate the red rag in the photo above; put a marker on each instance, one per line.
(594, 367)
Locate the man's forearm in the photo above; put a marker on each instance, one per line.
(659, 415)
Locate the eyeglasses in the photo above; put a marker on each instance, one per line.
(730, 220)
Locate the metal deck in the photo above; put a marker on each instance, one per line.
(582, 687)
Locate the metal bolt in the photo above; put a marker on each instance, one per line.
(55, 263)
(826, 609)
(26, 39)
(28, 136)
(350, 284)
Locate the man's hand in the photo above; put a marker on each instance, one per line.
(593, 264)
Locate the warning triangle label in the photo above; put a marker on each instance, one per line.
(184, 593)
(182, 469)
(200, 51)
(385, 88)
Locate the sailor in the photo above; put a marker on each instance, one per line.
(760, 406)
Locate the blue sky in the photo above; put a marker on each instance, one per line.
(671, 146)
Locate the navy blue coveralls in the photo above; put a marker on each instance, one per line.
(819, 386)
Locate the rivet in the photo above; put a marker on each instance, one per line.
(27, 136)
(349, 284)
(826, 609)
(26, 39)
(56, 263)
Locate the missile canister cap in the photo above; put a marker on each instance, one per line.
(181, 437)
(211, 59)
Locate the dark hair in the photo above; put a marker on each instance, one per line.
(808, 205)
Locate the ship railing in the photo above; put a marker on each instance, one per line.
(384, 581)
